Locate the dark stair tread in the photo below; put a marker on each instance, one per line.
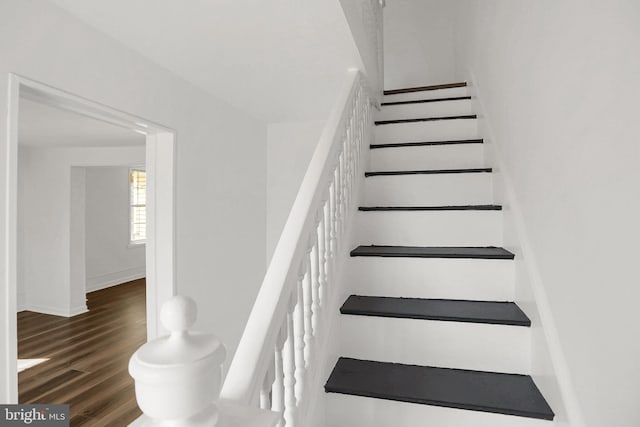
(490, 312)
(431, 208)
(509, 394)
(426, 143)
(429, 172)
(426, 119)
(422, 101)
(425, 88)
(489, 252)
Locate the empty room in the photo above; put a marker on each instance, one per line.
(81, 261)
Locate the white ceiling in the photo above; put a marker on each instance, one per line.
(41, 125)
(276, 59)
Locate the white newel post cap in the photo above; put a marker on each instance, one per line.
(178, 377)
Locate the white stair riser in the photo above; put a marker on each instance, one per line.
(435, 130)
(431, 228)
(472, 279)
(426, 94)
(429, 189)
(425, 109)
(454, 156)
(495, 348)
(355, 411)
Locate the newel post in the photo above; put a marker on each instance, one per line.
(178, 377)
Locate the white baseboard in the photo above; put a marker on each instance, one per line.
(113, 279)
(547, 321)
(93, 284)
(56, 311)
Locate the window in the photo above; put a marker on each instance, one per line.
(138, 206)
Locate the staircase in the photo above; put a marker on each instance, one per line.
(429, 333)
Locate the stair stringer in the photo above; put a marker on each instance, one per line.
(548, 364)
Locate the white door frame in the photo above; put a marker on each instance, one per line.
(160, 244)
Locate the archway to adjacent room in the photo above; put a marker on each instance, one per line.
(160, 210)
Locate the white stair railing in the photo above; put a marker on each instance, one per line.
(277, 364)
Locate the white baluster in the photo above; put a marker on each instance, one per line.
(358, 144)
(345, 180)
(352, 159)
(343, 174)
(322, 278)
(356, 150)
(327, 240)
(360, 128)
(289, 362)
(363, 140)
(341, 166)
(315, 297)
(332, 222)
(338, 186)
(339, 202)
(308, 326)
(277, 391)
(265, 389)
(345, 189)
(359, 117)
(347, 152)
(298, 333)
(354, 163)
(355, 124)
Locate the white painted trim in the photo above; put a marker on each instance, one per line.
(160, 249)
(113, 279)
(160, 243)
(43, 93)
(55, 311)
(10, 370)
(558, 360)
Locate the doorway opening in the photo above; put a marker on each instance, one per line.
(159, 252)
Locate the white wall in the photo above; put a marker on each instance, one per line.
(560, 88)
(221, 157)
(365, 23)
(110, 259)
(289, 150)
(281, 60)
(419, 42)
(52, 216)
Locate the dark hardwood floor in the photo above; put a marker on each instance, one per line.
(88, 356)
